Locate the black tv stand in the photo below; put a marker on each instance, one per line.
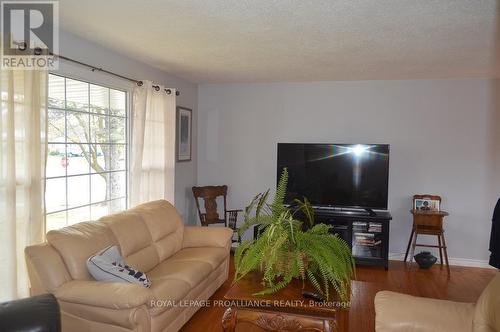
(366, 231)
(350, 211)
(370, 212)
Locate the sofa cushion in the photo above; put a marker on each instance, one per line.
(192, 272)
(160, 216)
(109, 265)
(148, 233)
(173, 290)
(165, 226)
(130, 231)
(77, 243)
(211, 255)
(134, 238)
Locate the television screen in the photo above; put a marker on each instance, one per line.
(344, 175)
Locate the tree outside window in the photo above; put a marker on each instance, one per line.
(87, 161)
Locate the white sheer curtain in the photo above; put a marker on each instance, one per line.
(152, 172)
(23, 133)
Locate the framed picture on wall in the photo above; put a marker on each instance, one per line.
(184, 134)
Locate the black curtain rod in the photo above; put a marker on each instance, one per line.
(93, 68)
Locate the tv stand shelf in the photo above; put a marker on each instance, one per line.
(366, 233)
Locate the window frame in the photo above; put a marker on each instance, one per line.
(109, 84)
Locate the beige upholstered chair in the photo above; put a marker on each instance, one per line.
(397, 312)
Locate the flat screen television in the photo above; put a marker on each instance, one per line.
(336, 175)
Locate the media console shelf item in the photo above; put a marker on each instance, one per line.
(366, 233)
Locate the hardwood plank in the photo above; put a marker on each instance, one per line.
(463, 284)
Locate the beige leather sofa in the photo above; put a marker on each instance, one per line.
(184, 264)
(405, 313)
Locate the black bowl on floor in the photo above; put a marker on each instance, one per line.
(425, 259)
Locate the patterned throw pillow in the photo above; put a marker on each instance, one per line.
(109, 265)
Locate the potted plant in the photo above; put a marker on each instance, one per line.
(284, 251)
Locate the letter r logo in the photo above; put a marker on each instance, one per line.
(29, 27)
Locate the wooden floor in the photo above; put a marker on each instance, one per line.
(464, 284)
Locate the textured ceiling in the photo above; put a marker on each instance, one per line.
(290, 40)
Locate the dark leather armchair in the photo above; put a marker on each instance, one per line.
(37, 313)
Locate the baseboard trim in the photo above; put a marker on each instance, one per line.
(453, 261)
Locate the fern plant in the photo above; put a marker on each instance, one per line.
(284, 251)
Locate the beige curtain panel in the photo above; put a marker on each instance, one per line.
(152, 171)
(23, 134)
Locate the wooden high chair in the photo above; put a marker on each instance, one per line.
(427, 222)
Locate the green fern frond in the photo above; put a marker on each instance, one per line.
(252, 221)
(305, 207)
(279, 286)
(320, 229)
(277, 207)
(262, 203)
(239, 253)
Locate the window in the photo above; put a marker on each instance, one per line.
(87, 166)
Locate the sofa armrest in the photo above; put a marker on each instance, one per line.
(113, 295)
(400, 312)
(199, 236)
